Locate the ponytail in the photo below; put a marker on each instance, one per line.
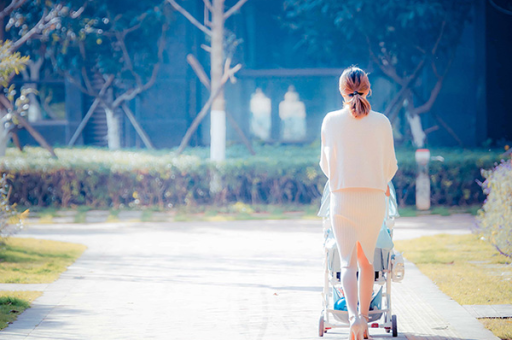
(359, 106)
(355, 84)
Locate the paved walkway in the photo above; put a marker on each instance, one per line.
(226, 280)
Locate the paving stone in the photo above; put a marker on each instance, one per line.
(504, 311)
(31, 220)
(129, 215)
(489, 311)
(65, 219)
(162, 216)
(217, 280)
(67, 213)
(95, 216)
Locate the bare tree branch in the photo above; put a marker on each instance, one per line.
(127, 96)
(409, 80)
(235, 8)
(206, 48)
(393, 112)
(85, 75)
(433, 96)
(441, 33)
(29, 34)
(240, 133)
(388, 70)
(200, 116)
(207, 11)
(142, 134)
(434, 69)
(16, 141)
(431, 129)
(435, 91)
(37, 136)
(190, 18)
(33, 132)
(448, 129)
(198, 69)
(126, 57)
(14, 5)
(87, 81)
(88, 115)
(5, 102)
(78, 12)
(208, 4)
(77, 83)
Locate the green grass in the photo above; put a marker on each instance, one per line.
(466, 268)
(146, 216)
(13, 304)
(410, 211)
(443, 211)
(407, 212)
(502, 328)
(25, 260)
(243, 211)
(80, 217)
(83, 208)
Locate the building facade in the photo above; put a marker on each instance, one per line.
(473, 103)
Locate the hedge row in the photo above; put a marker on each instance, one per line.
(284, 174)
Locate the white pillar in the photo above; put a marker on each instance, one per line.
(422, 180)
(218, 135)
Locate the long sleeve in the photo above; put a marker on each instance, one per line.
(392, 164)
(323, 157)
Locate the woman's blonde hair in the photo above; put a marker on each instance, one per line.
(354, 83)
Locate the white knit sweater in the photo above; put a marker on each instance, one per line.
(357, 153)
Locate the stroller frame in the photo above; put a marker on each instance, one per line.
(331, 318)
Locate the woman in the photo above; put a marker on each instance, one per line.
(358, 157)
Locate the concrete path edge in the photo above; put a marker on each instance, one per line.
(463, 322)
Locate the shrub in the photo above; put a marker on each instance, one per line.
(495, 217)
(453, 181)
(10, 220)
(277, 174)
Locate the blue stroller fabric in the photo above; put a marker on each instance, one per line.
(341, 304)
(384, 240)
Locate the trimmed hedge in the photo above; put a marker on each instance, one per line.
(284, 174)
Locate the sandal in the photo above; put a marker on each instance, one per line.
(365, 329)
(357, 327)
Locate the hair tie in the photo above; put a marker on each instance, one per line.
(354, 93)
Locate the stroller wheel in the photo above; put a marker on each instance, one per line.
(394, 326)
(321, 328)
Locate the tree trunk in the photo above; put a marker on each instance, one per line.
(5, 137)
(414, 120)
(218, 114)
(113, 129)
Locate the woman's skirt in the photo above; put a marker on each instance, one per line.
(357, 215)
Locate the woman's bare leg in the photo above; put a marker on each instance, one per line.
(366, 279)
(349, 284)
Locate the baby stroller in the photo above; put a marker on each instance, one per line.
(389, 266)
